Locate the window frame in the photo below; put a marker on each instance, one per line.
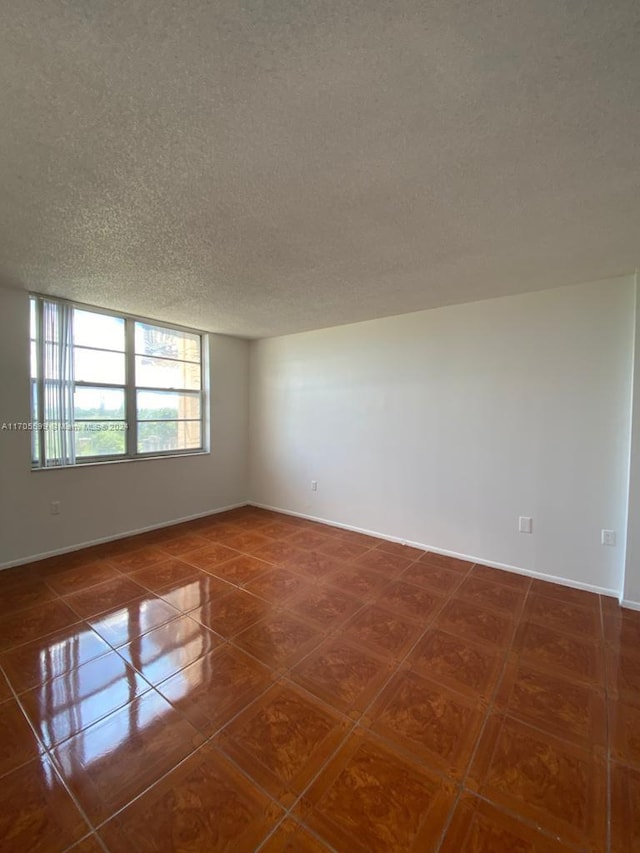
(131, 453)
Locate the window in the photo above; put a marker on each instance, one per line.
(108, 387)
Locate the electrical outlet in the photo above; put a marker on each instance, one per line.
(525, 524)
(608, 537)
(314, 485)
(55, 507)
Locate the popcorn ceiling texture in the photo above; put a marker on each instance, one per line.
(257, 168)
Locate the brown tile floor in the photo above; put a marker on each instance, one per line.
(251, 681)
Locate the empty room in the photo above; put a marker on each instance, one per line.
(319, 427)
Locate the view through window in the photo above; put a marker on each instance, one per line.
(106, 386)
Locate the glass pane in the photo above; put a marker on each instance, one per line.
(92, 365)
(32, 318)
(167, 343)
(98, 330)
(160, 436)
(35, 434)
(106, 438)
(167, 405)
(162, 373)
(99, 403)
(34, 360)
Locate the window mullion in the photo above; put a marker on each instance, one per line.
(40, 381)
(155, 337)
(130, 392)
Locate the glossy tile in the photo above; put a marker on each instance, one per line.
(218, 532)
(277, 585)
(17, 596)
(104, 551)
(164, 651)
(279, 553)
(475, 623)
(282, 740)
(427, 721)
(61, 708)
(36, 812)
(370, 799)
(565, 593)
(205, 804)
(166, 573)
(564, 654)
(24, 626)
(625, 809)
(279, 640)
(624, 731)
(623, 675)
(183, 544)
(135, 560)
(188, 595)
(361, 668)
(211, 556)
(432, 577)
(383, 631)
(18, 744)
(232, 613)
(342, 549)
(117, 758)
(246, 541)
(493, 596)
(81, 577)
(25, 576)
(567, 709)
(309, 539)
(501, 576)
(413, 601)
(122, 624)
(324, 606)
(399, 550)
(555, 784)
(292, 837)
(104, 596)
(211, 691)
(479, 827)
(90, 844)
(454, 564)
(622, 629)
(463, 665)
(343, 675)
(384, 562)
(276, 529)
(5, 689)
(361, 583)
(351, 536)
(53, 655)
(313, 564)
(584, 622)
(241, 569)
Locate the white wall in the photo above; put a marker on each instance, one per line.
(441, 427)
(102, 501)
(631, 591)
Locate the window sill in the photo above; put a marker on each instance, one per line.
(95, 463)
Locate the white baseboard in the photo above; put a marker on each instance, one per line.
(630, 605)
(69, 550)
(600, 590)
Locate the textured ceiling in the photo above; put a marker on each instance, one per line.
(256, 168)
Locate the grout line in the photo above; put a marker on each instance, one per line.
(50, 757)
(155, 782)
(355, 722)
(326, 635)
